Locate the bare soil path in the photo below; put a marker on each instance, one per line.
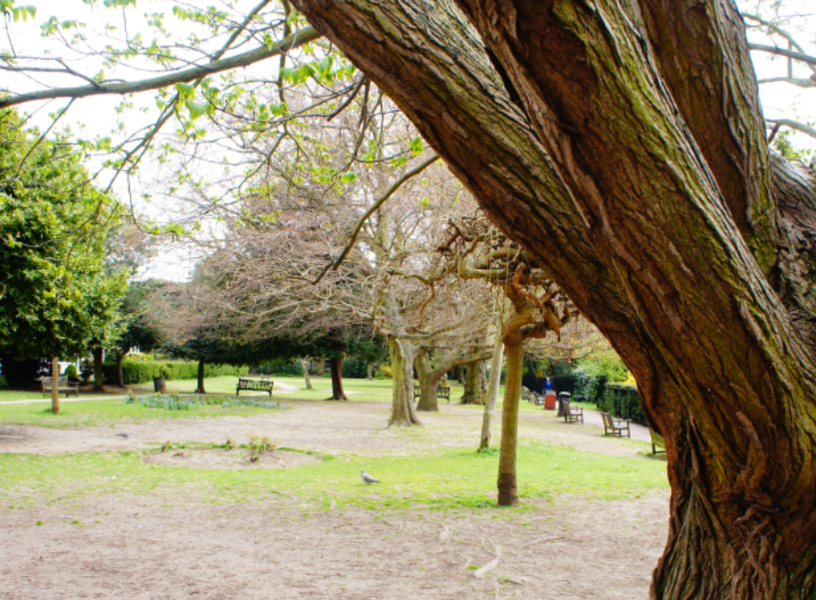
(133, 547)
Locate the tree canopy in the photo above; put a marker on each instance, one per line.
(56, 288)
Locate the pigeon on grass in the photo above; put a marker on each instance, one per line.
(367, 478)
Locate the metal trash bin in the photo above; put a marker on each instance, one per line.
(562, 396)
(158, 384)
(550, 400)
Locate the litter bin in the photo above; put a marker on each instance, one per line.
(550, 400)
(158, 384)
(562, 396)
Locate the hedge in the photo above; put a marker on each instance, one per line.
(623, 401)
(352, 368)
(143, 371)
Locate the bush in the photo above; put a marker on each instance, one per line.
(281, 367)
(3, 382)
(622, 400)
(354, 368)
(143, 371)
(71, 373)
(385, 371)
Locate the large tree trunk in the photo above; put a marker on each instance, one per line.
(54, 385)
(403, 354)
(200, 388)
(320, 366)
(622, 144)
(475, 391)
(120, 376)
(428, 401)
(305, 364)
(336, 364)
(492, 392)
(370, 371)
(99, 374)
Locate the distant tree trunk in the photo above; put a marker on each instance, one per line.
(336, 364)
(508, 488)
(99, 375)
(428, 401)
(475, 383)
(429, 378)
(320, 366)
(370, 372)
(55, 385)
(200, 389)
(403, 354)
(492, 392)
(305, 363)
(120, 376)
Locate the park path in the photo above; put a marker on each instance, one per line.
(639, 432)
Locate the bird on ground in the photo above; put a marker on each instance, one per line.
(367, 478)
(124, 435)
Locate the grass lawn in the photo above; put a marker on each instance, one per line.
(106, 413)
(440, 480)
(9, 395)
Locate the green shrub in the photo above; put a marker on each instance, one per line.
(71, 373)
(3, 382)
(143, 371)
(622, 400)
(385, 371)
(354, 368)
(281, 367)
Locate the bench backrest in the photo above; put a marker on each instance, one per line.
(607, 419)
(657, 439)
(47, 379)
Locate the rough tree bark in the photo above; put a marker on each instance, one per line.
(623, 145)
(320, 366)
(492, 392)
(55, 408)
(370, 371)
(305, 364)
(336, 364)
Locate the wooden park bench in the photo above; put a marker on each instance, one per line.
(657, 442)
(442, 391)
(572, 414)
(526, 394)
(63, 385)
(254, 385)
(615, 426)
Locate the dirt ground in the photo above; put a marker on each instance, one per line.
(146, 549)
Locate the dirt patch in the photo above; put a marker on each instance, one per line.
(325, 427)
(217, 458)
(139, 548)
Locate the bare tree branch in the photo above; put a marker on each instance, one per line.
(296, 39)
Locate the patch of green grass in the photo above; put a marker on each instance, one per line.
(452, 479)
(10, 395)
(107, 412)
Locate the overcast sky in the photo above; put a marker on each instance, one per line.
(92, 117)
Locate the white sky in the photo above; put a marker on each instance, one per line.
(92, 117)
